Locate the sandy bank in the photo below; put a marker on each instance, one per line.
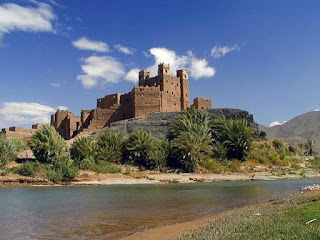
(91, 178)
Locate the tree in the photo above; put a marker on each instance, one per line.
(235, 135)
(139, 147)
(187, 120)
(47, 144)
(159, 156)
(192, 147)
(8, 151)
(110, 146)
(239, 139)
(309, 147)
(82, 148)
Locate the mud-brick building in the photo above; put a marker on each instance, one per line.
(162, 93)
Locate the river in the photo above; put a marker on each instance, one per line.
(108, 212)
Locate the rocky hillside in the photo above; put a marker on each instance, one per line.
(297, 130)
(158, 123)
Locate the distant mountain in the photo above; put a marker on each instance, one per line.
(298, 130)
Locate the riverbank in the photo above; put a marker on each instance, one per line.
(294, 217)
(147, 177)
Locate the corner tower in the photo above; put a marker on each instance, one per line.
(184, 88)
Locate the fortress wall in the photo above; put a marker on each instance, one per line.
(146, 100)
(109, 100)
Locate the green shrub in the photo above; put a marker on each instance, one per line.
(47, 144)
(65, 167)
(212, 165)
(106, 167)
(29, 169)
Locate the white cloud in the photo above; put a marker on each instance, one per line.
(124, 49)
(132, 75)
(84, 43)
(100, 70)
(62, 108)
(14, 17)
(276, 123)
(55, 84)
(24, 114)
(221, 51)
(316, 110)
(198, 68)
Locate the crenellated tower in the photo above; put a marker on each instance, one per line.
(184, 86)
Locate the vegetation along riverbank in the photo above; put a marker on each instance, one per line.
(294, 217)
(197, 148)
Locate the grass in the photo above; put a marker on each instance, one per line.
(283, 219)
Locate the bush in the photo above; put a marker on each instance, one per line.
(29, 169)
(47, 144)
(64, 166)
(106, 167)
(212, 165)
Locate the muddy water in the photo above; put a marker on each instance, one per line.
(108, 212)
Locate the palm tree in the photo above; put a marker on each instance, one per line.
(239, 139)
(82, 148)
(47, 144)
(187, 120)
(219, 150)
(139, 146)
(192, 147)
(8, 151)
(309, 147)
(110, 145)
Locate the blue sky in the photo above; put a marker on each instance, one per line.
(260, 56)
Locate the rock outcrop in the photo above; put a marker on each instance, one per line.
(158, 123)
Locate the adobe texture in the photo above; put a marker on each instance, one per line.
(19, 132)
(162, 93)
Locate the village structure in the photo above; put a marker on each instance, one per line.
(162, 93)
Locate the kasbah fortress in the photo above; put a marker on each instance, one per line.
(162, 93)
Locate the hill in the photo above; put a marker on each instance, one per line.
(297, 130)
(158, 123)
